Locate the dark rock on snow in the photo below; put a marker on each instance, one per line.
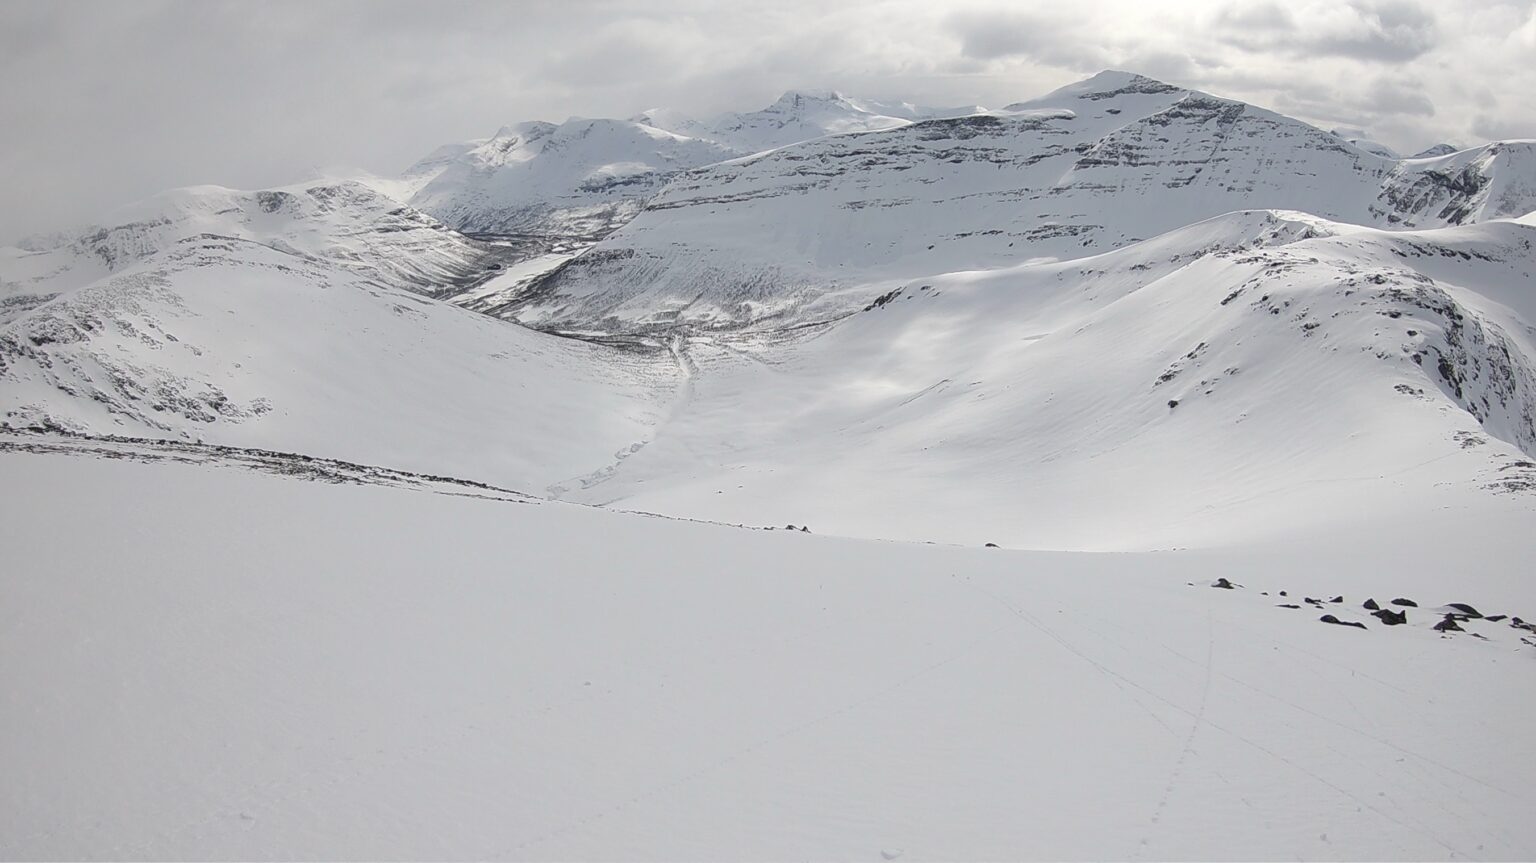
(1328, 618)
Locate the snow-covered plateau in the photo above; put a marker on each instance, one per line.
(1126, 473)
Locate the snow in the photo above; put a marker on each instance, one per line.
(254, 667)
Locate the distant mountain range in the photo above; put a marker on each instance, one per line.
(1124, 314)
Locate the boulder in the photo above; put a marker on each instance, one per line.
(1328, 618)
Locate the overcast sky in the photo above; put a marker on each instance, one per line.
(107, 101)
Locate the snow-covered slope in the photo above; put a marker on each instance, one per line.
(233, 341)
(1247, 376)
(343, 223)
(239, 666)
(1091, 167)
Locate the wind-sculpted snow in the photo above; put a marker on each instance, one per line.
(814, 229)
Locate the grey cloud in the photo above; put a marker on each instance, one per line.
(1003, 33)
(1393, 97)
(1390, 30)
(1501, 127)
(1256, 17)
(1385, 31)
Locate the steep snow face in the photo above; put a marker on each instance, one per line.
(234, 342)
(1094, 166)
(1493, 182)
(570, 183)
(1257, 375)
(346, 224)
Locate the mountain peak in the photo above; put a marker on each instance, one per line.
(797, 97)
(1105, 85)
(1119, 81)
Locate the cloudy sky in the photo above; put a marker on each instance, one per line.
(106, 101)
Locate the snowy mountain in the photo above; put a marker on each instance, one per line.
(818, 229)
(236, 342)
(569, 183)
(341, 222)
(575, 182)
(965, 298)
(805, 115)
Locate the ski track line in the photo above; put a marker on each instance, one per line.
(1113, 678)
(1189, 740)
(687, 370)
(1438, 765)
(1300, 768)
(1422, 763)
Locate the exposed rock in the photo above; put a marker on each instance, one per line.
(1407, 602)
(1449, 624)
(1371, 604)
(1328, 618)
(1389, 617)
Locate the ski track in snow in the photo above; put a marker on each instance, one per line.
(1197, 719)
(687, 370)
